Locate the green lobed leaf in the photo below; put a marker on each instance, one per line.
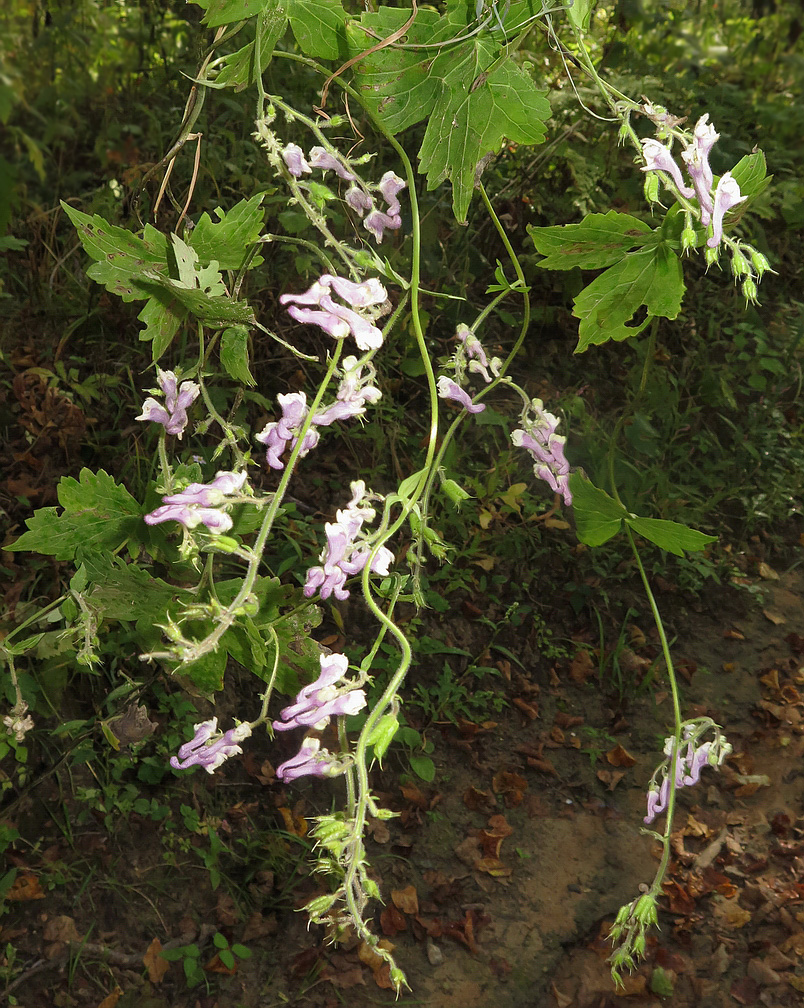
(598, 517)
(599, 240)
(475, 110)
(228, 239)
(124, 591)
(162, 315)
(319, 27)
(121, 258)
(234, 354)
(240, 68)
(98, 515)
(223, 12)
(401, 85)
(652, 277)
(670, 535)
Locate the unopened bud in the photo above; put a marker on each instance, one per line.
(750, 290)
(398, 978)
(687, 239)
(740, 266)
(761, 264)
(710, 255)
(651, 187)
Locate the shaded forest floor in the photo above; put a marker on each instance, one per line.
(499, 879)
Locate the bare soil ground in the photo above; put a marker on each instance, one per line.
(500, 878)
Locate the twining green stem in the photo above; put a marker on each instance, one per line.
(671, 678)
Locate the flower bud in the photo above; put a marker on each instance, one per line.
(687, 239)
(740, 266)
(651, 188)
(398, 978)
(645, 909)
(710, 255)
(761, 264)
(750, 290)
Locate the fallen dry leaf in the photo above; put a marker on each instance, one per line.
(582, 667)
(530, 710)
(774, 617)
(25, 887)
(154, 963)
(730, 914)
(511, 786)
(611, 778)
(620, 757)
(406, 899)
(477, 800)
(767, 572)
(392, 921)
(111, 999)
(295, 824)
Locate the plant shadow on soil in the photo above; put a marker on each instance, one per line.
(500, 878)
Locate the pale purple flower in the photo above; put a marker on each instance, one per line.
(345, 555)
(319, 158)
(295, 160)
(473, 351)
(203, 751)
(173, 414)
(276, 435)
(690, 760)
(354, 391)
(336, 319)
(546, 448)
(200, 504)
(323, 699)
(358, 199)
(658, 158)
(310, 761)
(389, 185)
(448, 389)
(376, 222)
(727, 195)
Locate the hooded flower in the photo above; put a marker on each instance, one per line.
(658, 158)
(358, 199)
(538, 436)
(173, 414)
(376, 222)
(202, 750)
(345, 554)
(354, 391)
(295, 160)
(310, 761)
(276, 435)
(449, 389)
(319, 158)
(337, 319)
(321, 700)
(200, 504)
(727, 195)
(690, 760)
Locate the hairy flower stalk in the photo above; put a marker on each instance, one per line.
(201, 504)
(538, 436)
(173, 414)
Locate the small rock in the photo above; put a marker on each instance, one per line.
(434, 953)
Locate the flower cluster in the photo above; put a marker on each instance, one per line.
(314, 706)
(357, 196)
(335, 318)
(201, 503)
(690, 760)
(538, 436)
(696, 160)
(345, 553)
(209, 748)
(376, 221)
(469, 356)
(173, 414)
(18, 723)
(354, 391)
